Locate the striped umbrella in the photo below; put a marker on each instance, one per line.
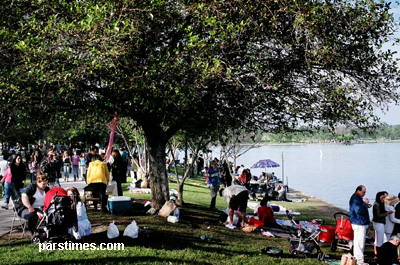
(265, 163)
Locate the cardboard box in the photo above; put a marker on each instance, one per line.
(120, 205)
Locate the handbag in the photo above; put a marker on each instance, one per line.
(348, 259)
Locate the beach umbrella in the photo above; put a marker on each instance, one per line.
(265, 163)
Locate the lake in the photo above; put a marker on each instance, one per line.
(331, 172)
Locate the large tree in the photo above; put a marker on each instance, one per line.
(211, 65)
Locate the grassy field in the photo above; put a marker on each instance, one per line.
(178, 243)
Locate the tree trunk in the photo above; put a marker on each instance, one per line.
(180, 201)
(158, 174)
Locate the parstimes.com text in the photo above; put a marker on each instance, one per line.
(80, 246)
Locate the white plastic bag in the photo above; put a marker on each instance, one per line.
(172, 219)
(235, 219)
(113, 231)
(132, 230)
(176, 213)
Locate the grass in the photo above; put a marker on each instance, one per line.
(178, 243)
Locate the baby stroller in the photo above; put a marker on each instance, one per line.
(57, 217)
(344, 232)
(305, 242)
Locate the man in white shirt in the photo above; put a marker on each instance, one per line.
(236, 196)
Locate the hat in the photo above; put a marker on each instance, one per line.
(391, 200)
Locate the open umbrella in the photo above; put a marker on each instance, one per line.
(265, 163)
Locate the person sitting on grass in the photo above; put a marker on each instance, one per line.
(281, 193)
(84, 226)
(387, 253)
(265, 216)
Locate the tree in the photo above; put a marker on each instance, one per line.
(210, 65)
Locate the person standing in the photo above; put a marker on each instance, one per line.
(75, 165)
(118, 170)
(18, 173)
(67, 165)
(82, 166)
(200, 164)
(359, 219)
(124, 156)
(379, 220)
(34, 164)
(227, 174)
(47, 167)
(236, 196)
(391, 219)
(98, 177)
(88, 158)
(213, 183)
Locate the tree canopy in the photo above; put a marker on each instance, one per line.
(204, 65)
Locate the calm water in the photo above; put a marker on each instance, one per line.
(332, 172)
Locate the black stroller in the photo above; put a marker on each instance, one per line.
(305, 242)
(57, 217)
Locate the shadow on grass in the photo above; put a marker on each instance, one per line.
(125, 260)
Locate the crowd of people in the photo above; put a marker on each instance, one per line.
(386, 223)
(47, 167)
(238, 185)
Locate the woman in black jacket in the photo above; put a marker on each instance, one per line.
(118, 170)
(18, 172)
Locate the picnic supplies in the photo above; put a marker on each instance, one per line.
(172, 219)
(113, 231)
(348, 259)
(132, 230)
(327, 234)
(167, 209)
(120, 205)
(271, 251)
(176, 213)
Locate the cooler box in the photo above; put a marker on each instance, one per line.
(120, 205)
(327, 236)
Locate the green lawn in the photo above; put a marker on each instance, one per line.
(178, 243)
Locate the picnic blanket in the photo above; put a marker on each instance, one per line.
(281, 210)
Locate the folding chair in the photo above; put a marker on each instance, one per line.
(22, 223)
(91, 194)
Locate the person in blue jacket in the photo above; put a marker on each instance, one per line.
(213, 181)
(359, 219)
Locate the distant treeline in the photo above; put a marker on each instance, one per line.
(341, 134)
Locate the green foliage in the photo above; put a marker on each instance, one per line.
(206, 66)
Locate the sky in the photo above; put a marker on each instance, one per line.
(392, 117)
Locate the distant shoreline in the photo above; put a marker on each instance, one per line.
(323, 143)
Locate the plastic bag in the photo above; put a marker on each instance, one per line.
(132, 230)
(235, 219)
(172, 219)
(113, 231)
